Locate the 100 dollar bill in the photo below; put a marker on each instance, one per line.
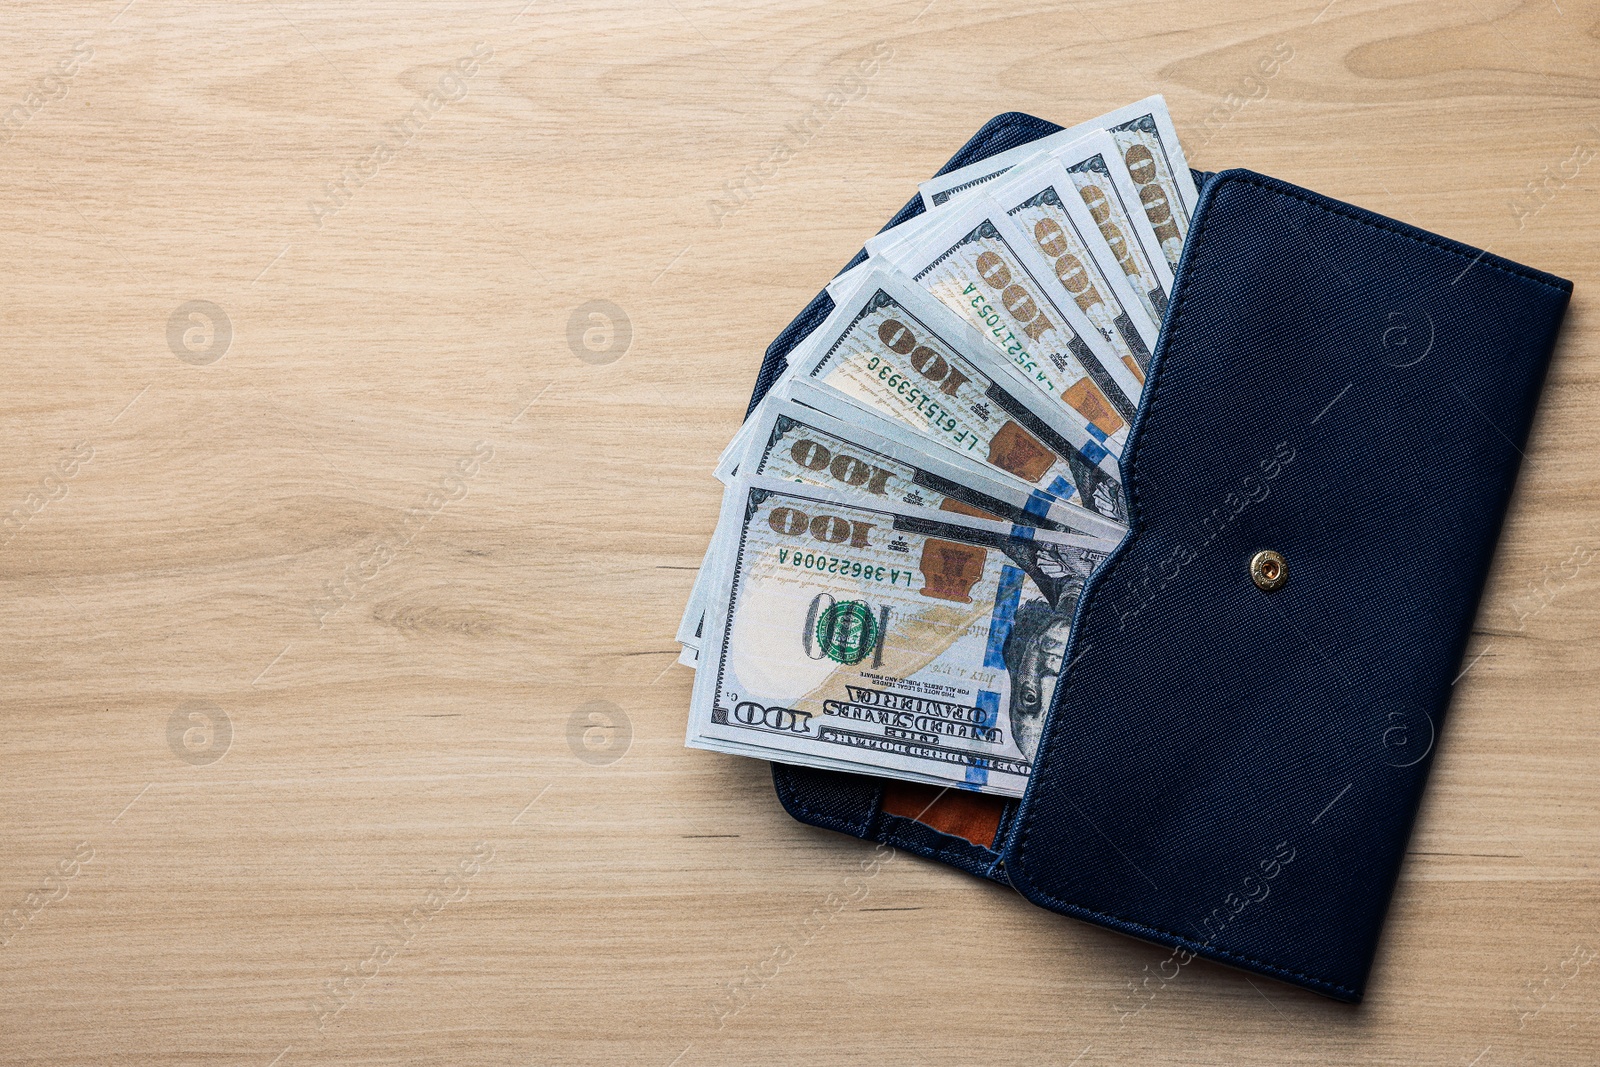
(860, 453)
(1041, 198)
(1149, 148)
(855, 451)
(979, 263)
(1156, 163)
(892, 348)
(893, 640)
(1111, 195)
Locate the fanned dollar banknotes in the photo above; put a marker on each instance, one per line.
(911, 513)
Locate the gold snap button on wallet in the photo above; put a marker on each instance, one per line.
(1269, 570)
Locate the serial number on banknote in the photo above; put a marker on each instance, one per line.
(849, 568)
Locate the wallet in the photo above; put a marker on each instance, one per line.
(1227, 769)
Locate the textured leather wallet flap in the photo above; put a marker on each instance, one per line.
(1235, 772)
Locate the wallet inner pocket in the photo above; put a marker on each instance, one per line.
(973, 817)
(950, 825)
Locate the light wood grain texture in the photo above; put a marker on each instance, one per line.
(659, 908)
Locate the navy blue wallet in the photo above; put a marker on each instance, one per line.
(1232, 772)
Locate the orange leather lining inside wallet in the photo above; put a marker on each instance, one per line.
(974, 817)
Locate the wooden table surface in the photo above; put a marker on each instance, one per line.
(364, 369)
